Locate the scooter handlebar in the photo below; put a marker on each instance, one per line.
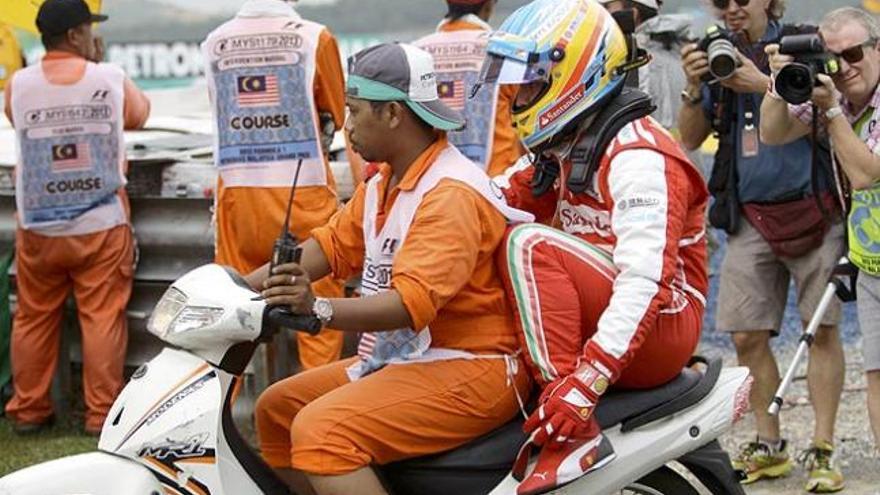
(281, 317)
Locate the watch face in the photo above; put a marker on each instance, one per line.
(323, 309)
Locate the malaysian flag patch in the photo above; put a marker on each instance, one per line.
(452, 94)
(71, 157)
(258, 91)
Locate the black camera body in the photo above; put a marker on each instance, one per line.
(719, 45)
(795, 82)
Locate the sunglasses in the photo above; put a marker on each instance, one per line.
(723, 4)
(855, 54)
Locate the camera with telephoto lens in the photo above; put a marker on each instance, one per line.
(723, 59)
(795, 82)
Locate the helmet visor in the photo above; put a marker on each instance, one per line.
(529, 94)
(498, 69)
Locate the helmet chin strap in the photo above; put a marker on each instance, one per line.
(564, 149)
(549, 157)
(560, 147)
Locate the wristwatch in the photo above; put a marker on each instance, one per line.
(833, 112)
(322, 309)
(692, 99)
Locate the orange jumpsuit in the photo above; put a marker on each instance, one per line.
(322, 423)
(97, 266)
(248, 219)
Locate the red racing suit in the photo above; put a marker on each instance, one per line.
(623, 284)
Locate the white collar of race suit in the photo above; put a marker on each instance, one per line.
(471, 18)
(267, 8)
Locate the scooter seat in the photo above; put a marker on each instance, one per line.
(619, 405)
(479, 465)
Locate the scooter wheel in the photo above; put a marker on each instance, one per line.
(662, 481)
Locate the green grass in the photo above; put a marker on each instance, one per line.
(64, 438)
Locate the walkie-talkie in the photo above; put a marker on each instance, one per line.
(286, 249)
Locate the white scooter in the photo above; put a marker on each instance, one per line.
(170, 431)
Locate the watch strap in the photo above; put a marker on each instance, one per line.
(833, 112)
(690, 98)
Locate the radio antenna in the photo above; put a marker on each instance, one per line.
(286, 226)
(286, 249)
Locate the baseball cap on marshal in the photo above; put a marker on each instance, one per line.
(401, 72)
(57, 16)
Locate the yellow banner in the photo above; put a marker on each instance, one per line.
(23, 13)
(872, 6)
(10, 54)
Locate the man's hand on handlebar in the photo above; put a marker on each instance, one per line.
(289, 285)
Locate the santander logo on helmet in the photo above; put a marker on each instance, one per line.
(574, 47)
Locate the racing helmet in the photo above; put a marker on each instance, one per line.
(573, 47)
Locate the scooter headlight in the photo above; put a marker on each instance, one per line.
(172, 315)
(195, 317)
(171, 304)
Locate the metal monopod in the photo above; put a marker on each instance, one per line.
(836, 286)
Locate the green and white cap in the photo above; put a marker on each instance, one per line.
(401, 72)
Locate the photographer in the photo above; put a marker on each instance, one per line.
(764, 199)
(848, 108)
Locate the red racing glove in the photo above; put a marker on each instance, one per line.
(566, 407)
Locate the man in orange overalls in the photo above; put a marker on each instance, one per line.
(73, 216)
(272, 107)
(436, 365)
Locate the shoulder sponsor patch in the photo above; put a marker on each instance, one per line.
(639, 209)
(638, 202)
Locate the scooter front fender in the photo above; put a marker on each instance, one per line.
(94, 473)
